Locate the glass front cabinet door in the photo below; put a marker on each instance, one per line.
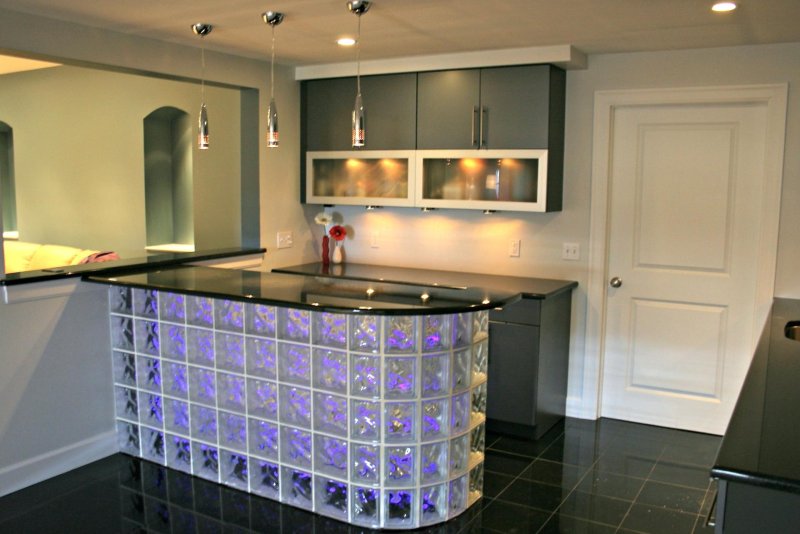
(502, 180)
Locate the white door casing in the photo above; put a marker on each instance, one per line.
(685, 204)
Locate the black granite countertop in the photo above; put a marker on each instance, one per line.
(108, 268)
(534, 288)
(760, 446)
(312, 292)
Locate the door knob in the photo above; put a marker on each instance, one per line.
(615, 282)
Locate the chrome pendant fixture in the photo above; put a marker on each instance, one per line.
(359, 131)
(273, 18)
(202, 29)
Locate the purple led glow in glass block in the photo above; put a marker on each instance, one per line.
(297, 488)
(176, 381)
(366, 463)
(124, 368)
(400, 466)
(202, 386)
(148, 373)
(229, 352)
(205, 461)
(366, 506)
(234, 469)
(146, 333)
(330, 370)
(330, 413)
(294, 325)
(265, 478)
(263, 438)
(400, 377)
(145, 303)
(295, 406)
(153, 444)
(122, 332)
(200, 346)
(172, 307)
(433, 460)
(260, 319)
(128, 437)
(231, 392)
(435, 379)
(204, 423)
(436, 333)
(200, 311)
(120, 299)
(434, 419)
(331, 498)
(151, 410)
(399, 508)
(176, 417)
(330, 456)
(401, 334)
(179, 453)
(433, 504)
(365, 333)
(294, 363)
(366, 420)
(296, 447)
(229, 315)
(330, 330)
(126, 403)
(365, 376)
(399, 421)
(232, 431)
(262, 398)
(261, 357)
(173, 341)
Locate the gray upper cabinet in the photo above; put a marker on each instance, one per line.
(515, 107)
(390, 103)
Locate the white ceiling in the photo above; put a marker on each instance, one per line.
(402, 28)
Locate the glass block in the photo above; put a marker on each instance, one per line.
(477, 439)
(330, 456)
(202, 386)
(122, 332)
(294, 363)
(462, 330)
(128, 437)
(478, 409)
(176, 416)
(151, 410)
(296, 447)
(146, 334)
(120, 299)
(399, 508)
(145, 303)
(263, 438)
(205, 461)
(229, 352)
(262, 398)
(330, 414)
(229, 315)
(436, 335)
(124, 365)
(265, 478)
(366, 506)
(480, 361)
(148, 373)
(400, 465)
(459, 413)
(297, 488)
(179, 453)
(476, 481)
(459, 454)
(200, 346)
(399, 420)
(433, 462)
(330, 330)
(175, 379)
(457, 496)
(173, 341)
(152, 444)
(293, 325)
(400, 377)
(366, 420)
(126, 403)
(433, 504)
(172, 307)
(400, 334)
(295, 406)
(260, 319)
(204, 423)
(330, 370)
(366, 462)
(331, 498)
(365, 376)
(365, 333)
(261, 357)
(434, 419)
(233, 469)
(231, 392)
(233, 431)
(462, 370)
(435, 378)
(480, 325)
(200, 311)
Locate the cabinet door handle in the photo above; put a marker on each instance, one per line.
(482, 126)
(474, 120)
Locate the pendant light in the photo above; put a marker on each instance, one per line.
(202, 29)
(273, 18)
(359, 137)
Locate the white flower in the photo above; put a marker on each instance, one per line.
(323, 218)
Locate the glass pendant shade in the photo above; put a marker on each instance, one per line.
(272, 124)
(359, 128)
(202, 128)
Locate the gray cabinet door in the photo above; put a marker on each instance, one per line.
(446, 103)
(513, 373)
(389, 106)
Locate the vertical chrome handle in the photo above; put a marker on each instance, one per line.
(474, 120)
(482, 125)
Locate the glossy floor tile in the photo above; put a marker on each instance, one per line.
(602, 476)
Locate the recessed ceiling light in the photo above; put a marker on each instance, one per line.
(723, 7)
(346, 41)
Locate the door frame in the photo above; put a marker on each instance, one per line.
(774, 96)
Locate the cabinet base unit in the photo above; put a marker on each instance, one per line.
(745, 508)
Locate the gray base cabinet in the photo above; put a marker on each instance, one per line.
(744, 509)
(528, 365)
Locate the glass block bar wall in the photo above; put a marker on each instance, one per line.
(374, 420)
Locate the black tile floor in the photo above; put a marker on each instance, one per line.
(582, 477)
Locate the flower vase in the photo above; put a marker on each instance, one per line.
(338, 253)
(326, 250)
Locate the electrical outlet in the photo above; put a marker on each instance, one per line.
(285, 239)
(571, 251)
(513, 248)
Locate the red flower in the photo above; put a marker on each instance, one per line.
(338, 232)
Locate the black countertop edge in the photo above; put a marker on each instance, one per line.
(756, 479)
(528, 288)
(307, 292)
(164, 259)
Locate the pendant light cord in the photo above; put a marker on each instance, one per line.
(272, 66)
(358, 57)
(202, 71)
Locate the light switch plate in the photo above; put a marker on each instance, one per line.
(285, 239)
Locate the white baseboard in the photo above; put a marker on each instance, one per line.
(577, 408)
(33, 470)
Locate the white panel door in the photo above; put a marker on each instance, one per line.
(684, 215)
